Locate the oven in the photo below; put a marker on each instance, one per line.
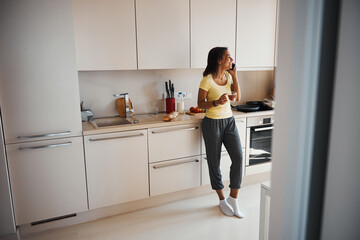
(259, 132)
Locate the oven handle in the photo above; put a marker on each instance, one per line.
(263, 129)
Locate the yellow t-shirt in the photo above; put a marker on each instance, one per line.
(214, 93)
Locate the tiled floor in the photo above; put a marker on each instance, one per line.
(192, 219)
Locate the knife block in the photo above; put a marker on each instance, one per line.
(170, 105)
(121, 107)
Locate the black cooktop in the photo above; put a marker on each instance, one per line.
(253, 106)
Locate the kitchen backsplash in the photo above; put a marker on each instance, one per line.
(146, 86)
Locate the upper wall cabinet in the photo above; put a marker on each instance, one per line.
(105, 34)
(163, 34)
(212, 24)
(256, 24)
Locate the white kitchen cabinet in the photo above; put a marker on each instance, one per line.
(241, 126)
(117, 167)
(163, 34)
(179, 141)
(105, 34)
(256, 23)
(225, 163)
(209, 29)
(174, 175)
(47, 179)
(39, 83)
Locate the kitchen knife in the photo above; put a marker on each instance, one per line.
(167, 89)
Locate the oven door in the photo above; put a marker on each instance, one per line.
(258, 145)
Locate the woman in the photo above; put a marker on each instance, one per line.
(219, 126)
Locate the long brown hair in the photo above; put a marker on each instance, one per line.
(214, 56)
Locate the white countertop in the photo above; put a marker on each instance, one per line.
(153, 121)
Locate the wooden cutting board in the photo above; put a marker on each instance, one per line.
(121, 106)
(191, 113)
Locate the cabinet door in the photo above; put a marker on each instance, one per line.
(174, 142)
(209, 29)
(163, 34)
(241, 125)
(39, 83)
(47, 179)
(105, 34)
(256, 22)
(225, 163)
(117, 168)
(174, 175)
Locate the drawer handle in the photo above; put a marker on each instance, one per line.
(222, 154)
(46, 146)
(45, 135)
(173, 164)
(111, 138)
(178, 129)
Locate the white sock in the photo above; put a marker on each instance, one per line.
(226, 208)
(234, 204)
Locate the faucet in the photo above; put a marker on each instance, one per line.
(127, 104)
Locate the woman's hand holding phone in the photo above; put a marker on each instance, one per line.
(232, 70)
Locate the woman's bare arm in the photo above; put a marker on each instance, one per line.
(202, 103)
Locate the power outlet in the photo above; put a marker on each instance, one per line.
(186, 95)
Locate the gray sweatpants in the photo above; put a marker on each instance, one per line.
(216, 132)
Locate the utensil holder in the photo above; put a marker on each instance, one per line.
(170, 105)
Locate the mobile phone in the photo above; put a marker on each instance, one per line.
(233, 66)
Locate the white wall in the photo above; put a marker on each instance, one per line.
(144, 86)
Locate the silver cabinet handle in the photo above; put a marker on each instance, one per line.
(111, 138)
(177, 129)
(45, 135)
(263, 129)
(46, 146)
(173, 164)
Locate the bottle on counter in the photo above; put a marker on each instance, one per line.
(180, 103)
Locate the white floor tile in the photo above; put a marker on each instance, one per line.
(191, 219)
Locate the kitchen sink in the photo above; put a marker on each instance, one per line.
(111, 121)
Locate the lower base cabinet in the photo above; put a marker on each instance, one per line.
(117, 168)
(47, 178)
(174, 175)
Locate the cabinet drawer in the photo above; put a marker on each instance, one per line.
(225, 164)
(47, 179)
(174, 175)
(174, 142)
(117, 168)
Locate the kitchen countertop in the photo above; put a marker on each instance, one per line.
(154, 121)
